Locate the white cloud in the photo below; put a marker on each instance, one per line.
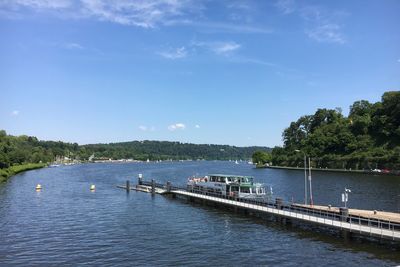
(224, 48)
(176, 126)
(145, 13)
(15, 113)
(38, 4)
(174, 54)
(142, 13)
(286, 6)
(322, 24)
(219, 48)
(146, 128)
(398, 60)
(329, 33)
(73, 46)
(197, 126)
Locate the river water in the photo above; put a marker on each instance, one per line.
(68, 225)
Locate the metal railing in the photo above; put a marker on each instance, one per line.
(323, 216)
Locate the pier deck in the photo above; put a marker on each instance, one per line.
(380, 224)
(362, 227)
(368, 214)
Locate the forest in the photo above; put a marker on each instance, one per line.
(368, 138)
(17, 150)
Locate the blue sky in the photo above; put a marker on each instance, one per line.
(224, 72)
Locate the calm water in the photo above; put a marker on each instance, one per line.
(66, 224)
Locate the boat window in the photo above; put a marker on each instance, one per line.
(244, 189)
(234, 188)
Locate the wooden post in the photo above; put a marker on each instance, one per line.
(168, 186)
(153, 186)
(128, 186)
(278, 203)
(140, 179)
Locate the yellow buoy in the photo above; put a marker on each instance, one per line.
(38, 187)
(92, 187)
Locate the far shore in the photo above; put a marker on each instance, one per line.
(396, 173)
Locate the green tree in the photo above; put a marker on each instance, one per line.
(261, 157)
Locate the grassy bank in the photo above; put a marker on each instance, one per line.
(13, 170)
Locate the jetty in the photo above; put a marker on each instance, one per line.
(364, 223)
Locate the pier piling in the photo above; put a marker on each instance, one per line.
(140, 181)
(153, 186)
(128, 186)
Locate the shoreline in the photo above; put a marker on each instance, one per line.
(330, 170)
(7, 173)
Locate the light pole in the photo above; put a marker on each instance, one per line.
(305, 175)
(309, 179)
(345, 196)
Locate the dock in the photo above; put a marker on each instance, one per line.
(364, 223)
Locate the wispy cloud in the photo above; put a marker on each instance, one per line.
(38, 4)
(73, 46)
(225, 48)
(330, 33)
(174, 54)
(322, 24)
(176, 126)
(142, 13)
(219, 48)
(15, 113)
(216, 27)
(145, 14)
(197, 126)
(146, 128)
(286, 6)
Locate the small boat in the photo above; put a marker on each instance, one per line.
(54, 165)
(236, 162)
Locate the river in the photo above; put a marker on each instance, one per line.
(66, 224)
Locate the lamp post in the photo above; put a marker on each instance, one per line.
(305, 175)
(345, 196)
(309, 179)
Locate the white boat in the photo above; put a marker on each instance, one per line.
(229, 185)
(236, 162)
(54, 165)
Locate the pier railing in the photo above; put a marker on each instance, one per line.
(280, 204)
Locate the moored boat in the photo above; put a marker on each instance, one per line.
(229, 185)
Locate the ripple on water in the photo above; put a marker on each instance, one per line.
(66, 224)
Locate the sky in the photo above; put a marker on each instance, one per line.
(197, 71)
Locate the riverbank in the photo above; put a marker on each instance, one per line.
(332, 170)
(13, 170)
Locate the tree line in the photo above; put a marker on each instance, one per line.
(17, 150)
(368, 138)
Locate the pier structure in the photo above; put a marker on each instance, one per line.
(364, 223)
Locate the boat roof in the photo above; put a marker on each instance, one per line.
(231, 175)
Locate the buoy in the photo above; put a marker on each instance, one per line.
(38, 187)
(92, 187)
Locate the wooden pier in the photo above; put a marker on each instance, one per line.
(366, 223)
